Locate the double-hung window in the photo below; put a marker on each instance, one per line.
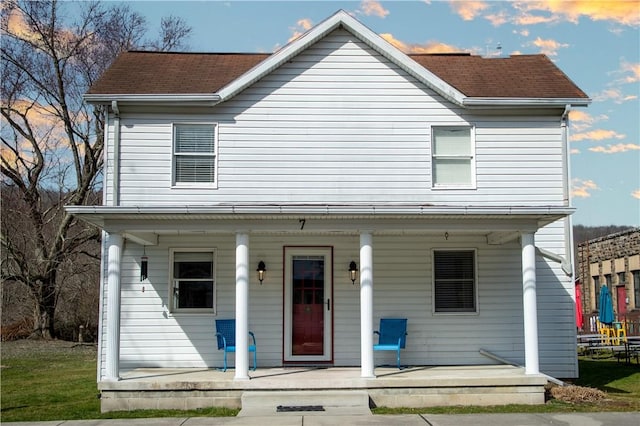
(452, 157)
(194, 154)
(454, 281)
(193, 280)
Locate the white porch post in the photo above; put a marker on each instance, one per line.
(366, 305)
(529, 304)
(242, 306)
(114, 259)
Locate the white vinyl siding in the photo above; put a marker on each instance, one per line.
(339, 123)
(452, 157)
(194, 154)
(403, 268)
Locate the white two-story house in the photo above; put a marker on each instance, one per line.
(367, 184)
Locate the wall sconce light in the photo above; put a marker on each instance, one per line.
(353, 271)
(261, 270)
(144, 265)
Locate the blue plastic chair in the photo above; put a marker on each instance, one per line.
(392, 336)
(226, 335)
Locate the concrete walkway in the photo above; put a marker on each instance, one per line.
(556, 419)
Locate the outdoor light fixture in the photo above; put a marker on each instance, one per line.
(353, 270)
(144, 265)
(261, 270)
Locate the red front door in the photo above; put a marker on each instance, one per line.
(622, 301)
(308, 305)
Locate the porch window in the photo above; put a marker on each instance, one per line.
(596, 290)
(194, 154)
(454, 281)
(452, 162)
(193, 281)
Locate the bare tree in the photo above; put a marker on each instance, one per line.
(52, 142)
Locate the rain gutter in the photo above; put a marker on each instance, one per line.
(116, 153)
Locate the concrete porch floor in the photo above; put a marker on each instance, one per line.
(419, 386)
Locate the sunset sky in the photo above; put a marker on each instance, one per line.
(596, 43)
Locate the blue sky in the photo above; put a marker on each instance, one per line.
(596, 43)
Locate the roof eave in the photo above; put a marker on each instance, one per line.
(478, 102)
(195, 99)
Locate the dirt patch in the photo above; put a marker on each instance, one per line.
(577, 394)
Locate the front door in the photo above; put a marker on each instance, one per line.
(308, 304)
(621, 297)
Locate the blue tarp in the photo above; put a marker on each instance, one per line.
(606, 306)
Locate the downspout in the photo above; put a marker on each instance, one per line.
(103, 246)
(566, 164)
(115, 183)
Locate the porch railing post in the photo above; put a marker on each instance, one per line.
(529, 303)
(242, 306)
(114, 261)
(366, 305)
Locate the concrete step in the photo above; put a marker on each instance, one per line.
(307, 403)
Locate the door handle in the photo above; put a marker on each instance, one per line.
(328, 304)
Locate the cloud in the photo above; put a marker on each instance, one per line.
(615, 95)
(597, 135)
(581, 120)
(428, 47)
(528, 19)
(468, 10)
(548, 47)
(497, 19)
(621, 12)
(303, 25)
(372, 7)
(615, 149)
(574, 151)
(582, 188)
(636, 194)
(629, 72)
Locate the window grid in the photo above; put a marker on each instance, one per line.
(194, 154)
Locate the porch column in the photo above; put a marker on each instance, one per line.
(242, 306)
(366, 305)
(529, 303)
(114, 260)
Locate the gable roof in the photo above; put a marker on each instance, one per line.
(464, 79)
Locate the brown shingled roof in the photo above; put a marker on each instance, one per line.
(521, 76)
(147, 73)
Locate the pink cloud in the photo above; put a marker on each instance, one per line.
(597, 135)
(583, 188)
(429, 47)
(636, 194)
(468, 10)
(548, 47)
(615, 149)
(373, 7)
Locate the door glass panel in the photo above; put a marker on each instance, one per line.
(308, 305)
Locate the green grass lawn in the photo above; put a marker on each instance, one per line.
(60, 384)
(50, 383)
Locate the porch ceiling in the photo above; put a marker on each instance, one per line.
(498, 223)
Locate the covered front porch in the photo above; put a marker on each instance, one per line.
(414, 386)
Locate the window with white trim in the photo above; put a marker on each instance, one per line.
(192, 286)
(194, 154)
(454, 281)
(452, 157)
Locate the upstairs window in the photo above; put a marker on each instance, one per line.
(194, 154)
(452, 162)
(454, 281)
(193, 283)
